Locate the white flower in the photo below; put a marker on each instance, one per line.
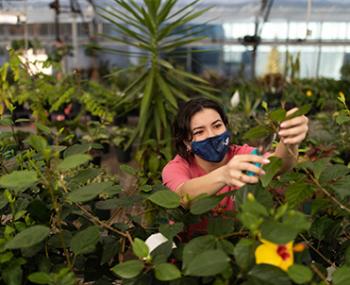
(235, 99)
(155, 240)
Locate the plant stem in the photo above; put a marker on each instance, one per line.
(319, 273)
(316, 250)
(98, 222)
(57, 210)
(329, 195)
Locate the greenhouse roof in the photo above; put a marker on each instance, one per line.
(222, 11)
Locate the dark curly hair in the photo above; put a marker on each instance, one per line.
(182, 125)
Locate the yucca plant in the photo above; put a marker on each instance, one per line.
(156, 29)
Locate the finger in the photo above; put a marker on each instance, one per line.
(247, 166)
(249, 179)
(236, 182)
(300, 120)
(250, 158)
(295, 131)
(294, 140)
(291, 111)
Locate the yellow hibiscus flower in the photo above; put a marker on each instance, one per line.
(280, 255)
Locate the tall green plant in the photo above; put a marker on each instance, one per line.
(155, 28)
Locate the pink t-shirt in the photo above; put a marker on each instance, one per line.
(179, 170)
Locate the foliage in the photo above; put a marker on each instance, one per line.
(155, 28)
(52, 230)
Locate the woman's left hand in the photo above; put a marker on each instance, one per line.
(293, 131)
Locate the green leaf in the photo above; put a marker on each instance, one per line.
(297, 193)
(208, 263)
(244, 253)
(257, 133)
(300, 274)
(128, 269)
(40, 278)
(333, 172)
(146, 100)
(196, 246)
(128, 169)
(341, 187)
(88, 192)
(84, 176)
(140, 248)
(73, 161)
(271, 170)
(37, 142)
(278, 115)
(167, 272)
(261, 195)
(301, 111)
(19, 180)
(169, 231)
(265, 274)
(317, 167)
(166, 91)
(278, 232)
(42, 128)
(219, 226)
(85, 241)
(321, 227)
(341, 276)
(165, 199)
(28, 237)
(204, 204)
(76, 149)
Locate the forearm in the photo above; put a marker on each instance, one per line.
(207, 184)
(288, 154)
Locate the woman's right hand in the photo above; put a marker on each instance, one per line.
(235, 170)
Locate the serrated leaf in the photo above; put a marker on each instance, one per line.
(128, 269)
(333, 172)
(341, 187)
(257, 133)
(300, 274)
(301, 111)
(28, 237)
(271, 170)
(167, 272)
(208, 263)
(19, 180)
(278, 115)
(73, 161)
(165, 199)
(297, 193)
(88, 192)
(85, 241)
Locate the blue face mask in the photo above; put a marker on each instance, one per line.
(212, 149)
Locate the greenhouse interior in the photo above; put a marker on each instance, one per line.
(180, 142)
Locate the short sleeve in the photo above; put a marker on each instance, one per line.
(175, 173)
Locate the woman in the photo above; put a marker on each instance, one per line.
(206, 163)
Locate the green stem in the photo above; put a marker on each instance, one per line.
(57, 219)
